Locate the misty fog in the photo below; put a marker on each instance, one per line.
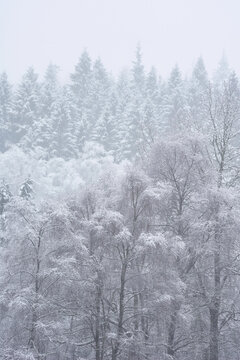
(119, 180)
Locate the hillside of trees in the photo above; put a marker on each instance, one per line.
(124, 115)
(120, 215)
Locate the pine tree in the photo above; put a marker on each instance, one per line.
(222, 73)
(49, 91)
(123, 93)
(197, 93)
(26, 189)
(138, 75)
(5, 112)
(105, 131)
(134, 108)
(26, 107)
(81, 80)
(100, 89)
(174, 110)
(150, 120)
(48, 103)
(152, 88)
(64, 130)
(81, 90)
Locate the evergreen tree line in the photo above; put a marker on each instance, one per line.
(123, 115)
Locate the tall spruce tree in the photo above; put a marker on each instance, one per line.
(26, 107)
(174, 110)
(5, 112)
(81, 83)
(64, 135)
(43, 128)
(197, 92)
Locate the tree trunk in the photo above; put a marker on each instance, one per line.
(98, 317)
(33, 341)
(144, 319)
(215, 308)
(115, 349)
(171, 332)
(213, 346)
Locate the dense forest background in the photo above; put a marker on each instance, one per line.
(120, 215)
(123, 115)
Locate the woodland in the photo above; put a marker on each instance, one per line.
(120, 214)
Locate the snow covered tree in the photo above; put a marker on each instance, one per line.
(179, 166)
(5, 112)
(32, 293)
(81, 78)
(49, 91)
(123, 93)
(105, 131)
(174, 109)
(64, 137)
(26, 189)
(81, 88)
(223, 114)
(222, 73)
(197, 95)
(138, 75)
(26, 107)
(5, 195)
(48, 106)
(100, 90)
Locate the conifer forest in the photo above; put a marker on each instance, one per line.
(120, 214)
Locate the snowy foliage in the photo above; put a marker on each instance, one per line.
(119, 215)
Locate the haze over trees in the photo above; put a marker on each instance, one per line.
(120, 215)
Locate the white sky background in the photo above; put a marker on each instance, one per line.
(37, 32)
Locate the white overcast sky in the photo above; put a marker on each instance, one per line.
(37, 32)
